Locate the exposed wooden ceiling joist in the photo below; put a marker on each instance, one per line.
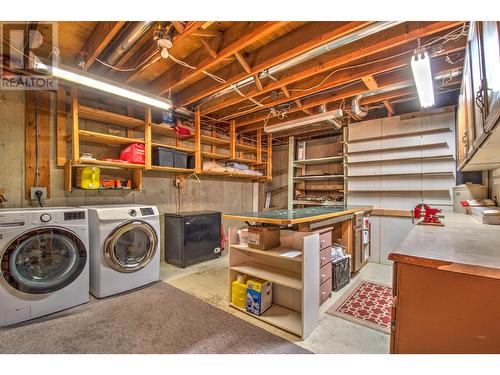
(373, 44)
(179, 74)
(99, 39)
(310, 36)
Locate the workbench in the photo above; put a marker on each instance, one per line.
(446, 288)
(301, 282)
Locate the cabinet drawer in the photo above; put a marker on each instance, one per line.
(325, 256)
(325, 273)
(325, 239)
(325, 290)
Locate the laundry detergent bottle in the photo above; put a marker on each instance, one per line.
(238, 291)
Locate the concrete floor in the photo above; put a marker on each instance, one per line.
(209, 282)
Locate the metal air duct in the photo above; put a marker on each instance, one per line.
(127, 38)
(356, 108)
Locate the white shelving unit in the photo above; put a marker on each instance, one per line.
(295, 280)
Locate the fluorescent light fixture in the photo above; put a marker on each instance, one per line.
(102, 84)
(421, 68)
(297, 123)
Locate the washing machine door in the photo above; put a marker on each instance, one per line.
(43, 260)
(131, 246)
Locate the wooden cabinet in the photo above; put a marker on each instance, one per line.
(441, 311)
(479, 102)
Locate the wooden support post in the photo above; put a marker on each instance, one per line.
(137, 179)
(75, 139)
(197, 141)
(259, 146)
(61, 134)
(232, 139)
(43, 119)
(269, 157)
(147, 137)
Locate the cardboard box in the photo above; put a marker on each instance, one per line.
(259, 296)
(263, 238)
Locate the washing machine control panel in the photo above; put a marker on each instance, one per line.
(45, 218)
(147, 211)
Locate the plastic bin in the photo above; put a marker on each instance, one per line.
(133, 153)
(163, 157)
(180, 159)
(341, 273)
(190, 162)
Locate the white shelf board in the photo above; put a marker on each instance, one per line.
(415, 158)
(401, 148)
(410, 174)
(275, 275)
(319, 160)
(280, 317)
(276, 252)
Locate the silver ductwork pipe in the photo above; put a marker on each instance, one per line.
(356, 108)
(342, 41)
(127, 38)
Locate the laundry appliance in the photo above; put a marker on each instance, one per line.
(124, 248)
(44, 261)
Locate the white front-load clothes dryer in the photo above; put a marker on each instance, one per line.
(44, 261)
(124, 248)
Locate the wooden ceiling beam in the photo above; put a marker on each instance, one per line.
(244, 64)
(356, 89)
(103, 33)
(372, 84)
(189, 29)
(179, 75)
(349, 75)
(258, 84)
(212, 52)
(370, 45)
(285, 91)
(178, 26)
(312, 35)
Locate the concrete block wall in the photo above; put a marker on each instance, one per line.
(212, 193)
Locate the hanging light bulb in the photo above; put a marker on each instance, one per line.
(421, 68)
(164, 52)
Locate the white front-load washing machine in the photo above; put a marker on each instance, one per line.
(43, 260)
(124, 248)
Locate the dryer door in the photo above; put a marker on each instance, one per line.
(43, 260)
(130, 246)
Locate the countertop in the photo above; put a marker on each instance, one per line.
(297, 216)
(462, 245)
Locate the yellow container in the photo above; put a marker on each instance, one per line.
(88, 178)
(239, 291)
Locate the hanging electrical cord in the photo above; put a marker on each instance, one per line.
(123, 69)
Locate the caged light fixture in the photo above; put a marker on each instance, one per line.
(421, 68)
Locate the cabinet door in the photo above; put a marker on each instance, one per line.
(477, 77)
(491, 53)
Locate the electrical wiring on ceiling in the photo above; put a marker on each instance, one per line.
(123, 69)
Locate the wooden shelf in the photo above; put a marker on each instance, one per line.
(417, 158)
(275, 275)
(171, 169)
(245, 147)
(312, 203)
(280, 317)
(88, 136)
(400, 135)
(322, 188)
(100, 115)
(241, 160)
(319, 177)
(326, 160)
(207, 139)
(183, 149)
(167, 131)
(232, 174)
(213, 155)
(276, 252)
(402, 148)
(413, 174)
(105, 163)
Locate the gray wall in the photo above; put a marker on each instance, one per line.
(213, 193)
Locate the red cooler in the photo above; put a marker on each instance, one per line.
(133, 153)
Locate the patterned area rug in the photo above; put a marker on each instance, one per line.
(366, 303)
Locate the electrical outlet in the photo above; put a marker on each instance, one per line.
(38, 188)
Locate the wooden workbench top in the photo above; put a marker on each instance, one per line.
(297, 216)
(463, 245)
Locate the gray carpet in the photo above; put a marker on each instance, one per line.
(155, 319)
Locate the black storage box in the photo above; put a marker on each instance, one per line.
(190, 162)
(192, 237)
(180, 159)
(163, 157)
(341, 273)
